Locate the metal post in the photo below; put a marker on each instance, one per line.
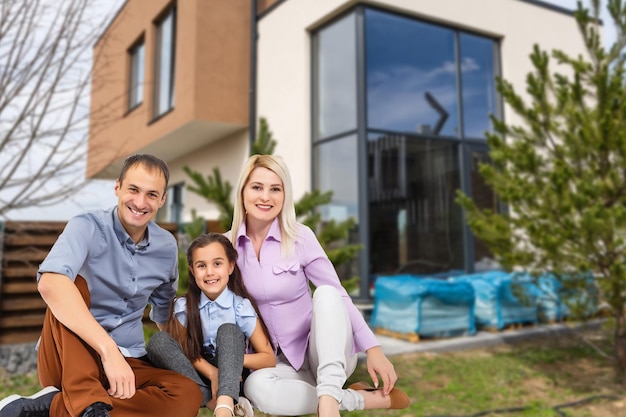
(253, 71)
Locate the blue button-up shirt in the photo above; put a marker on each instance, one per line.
(123, 277)
(227, 308)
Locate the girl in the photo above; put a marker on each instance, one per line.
(205, 336)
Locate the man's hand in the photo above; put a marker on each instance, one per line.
(120, 375)
(67, 305)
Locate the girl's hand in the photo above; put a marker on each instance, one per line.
(208, 371)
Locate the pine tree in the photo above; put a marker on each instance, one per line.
(332, 236)
(562, 173)
(264, 144)
(214, 190)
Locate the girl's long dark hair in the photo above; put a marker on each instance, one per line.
(191, 338)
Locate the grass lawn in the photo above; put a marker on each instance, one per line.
(535, 375)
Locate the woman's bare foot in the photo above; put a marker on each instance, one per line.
(327, 407)
(375, 399)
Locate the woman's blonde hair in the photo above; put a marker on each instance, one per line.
(286, 217)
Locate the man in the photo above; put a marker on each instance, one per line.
(99, 276)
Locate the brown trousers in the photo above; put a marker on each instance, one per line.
(68, 363)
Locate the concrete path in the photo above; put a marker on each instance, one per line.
(392, 346)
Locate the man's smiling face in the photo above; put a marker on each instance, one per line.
(140, 194)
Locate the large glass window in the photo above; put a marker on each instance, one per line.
(164, 70)
(485, 198)
(336, 61)
(422, 94)
(136, 79)
(477, 75)
(336, 160)
(411, 75)
(415, 224)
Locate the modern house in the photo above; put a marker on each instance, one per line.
(383, 102)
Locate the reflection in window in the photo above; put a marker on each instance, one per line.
(164, 71)
(137, 62)
(336, 170)
(479, 95)
(390, 162)
(415, 227)
(484, 198)
(411, 75)
(336, 72)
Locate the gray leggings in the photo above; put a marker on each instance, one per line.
(165, 352)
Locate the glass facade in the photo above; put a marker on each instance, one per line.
(411, 86)
(164, 71)
(338, 159)
(401, 106)
(337, 78)
(477, 73)
(415, 225)
(484, 197)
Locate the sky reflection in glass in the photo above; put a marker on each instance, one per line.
(406, 59)
(337, 77)
(411, 72)
(479, 95)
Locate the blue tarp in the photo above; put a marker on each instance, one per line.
(429, 307)
(451, 303)
(576, 292)
(497, 306)
(550, 307)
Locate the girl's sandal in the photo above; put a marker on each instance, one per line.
(228, 407)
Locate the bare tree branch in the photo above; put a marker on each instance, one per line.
(45, 80)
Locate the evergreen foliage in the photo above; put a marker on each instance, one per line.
(215, 190)
(562, 173)
(332, 236)
(264, 144)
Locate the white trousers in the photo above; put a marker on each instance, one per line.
(329, 362)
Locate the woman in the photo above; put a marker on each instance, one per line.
(316, 339)
(205, 337)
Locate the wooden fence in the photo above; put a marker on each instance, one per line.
(24, 245)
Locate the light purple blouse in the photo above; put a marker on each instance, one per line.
(281, 290)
